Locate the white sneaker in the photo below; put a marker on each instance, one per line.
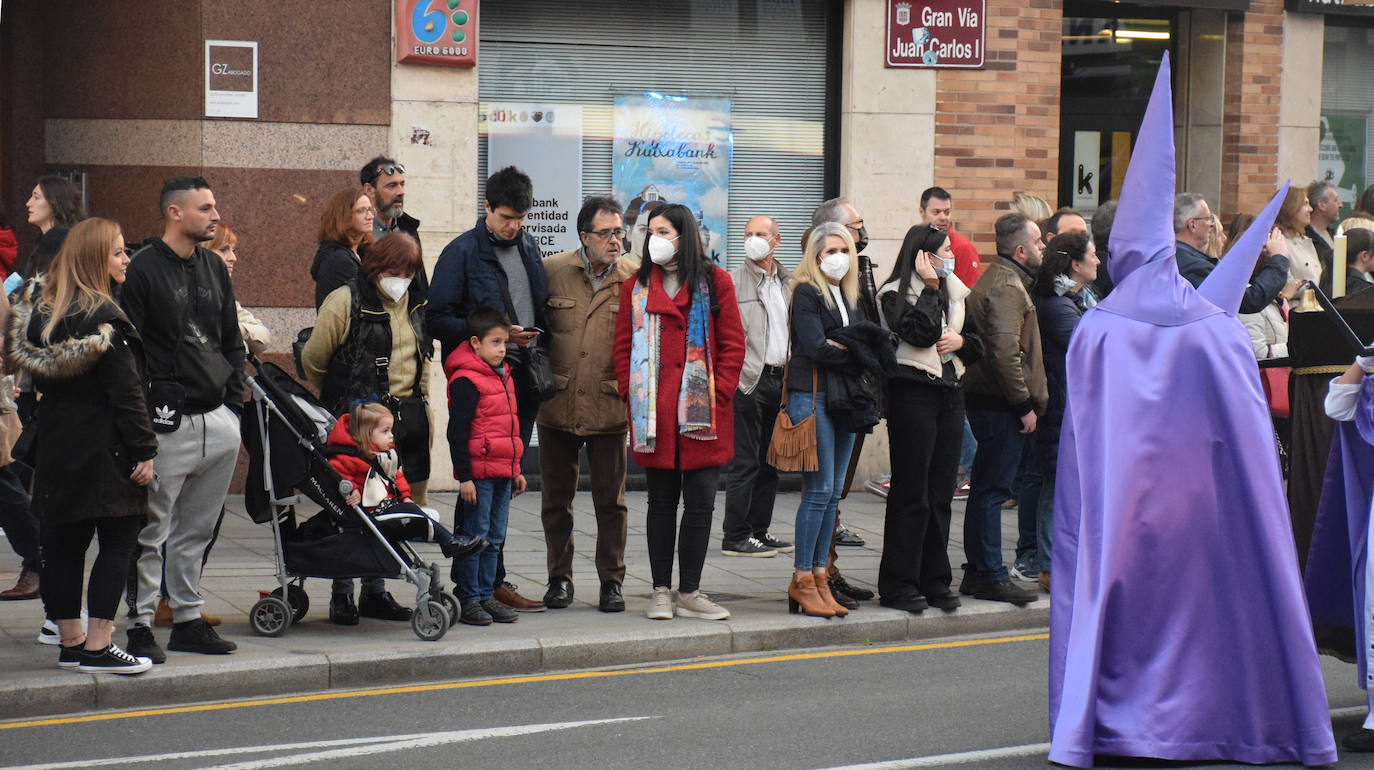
(698, 605)
(49, 634)
(661, 605)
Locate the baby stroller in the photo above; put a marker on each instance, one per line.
(284, 431)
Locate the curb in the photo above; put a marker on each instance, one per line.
(265, 670)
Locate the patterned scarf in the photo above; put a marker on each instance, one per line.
(696, 398)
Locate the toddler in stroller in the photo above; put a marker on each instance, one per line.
(361, 448)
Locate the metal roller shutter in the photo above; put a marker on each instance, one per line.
(767, 56)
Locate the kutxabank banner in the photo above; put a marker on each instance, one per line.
(676, 149)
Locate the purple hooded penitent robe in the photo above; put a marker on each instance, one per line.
(1178, 625)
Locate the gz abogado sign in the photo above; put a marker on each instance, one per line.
(437, 32)
(935, 34)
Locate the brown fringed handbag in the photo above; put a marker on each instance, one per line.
(793, 447)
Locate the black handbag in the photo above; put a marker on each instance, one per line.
(298, 349)
(166, 400)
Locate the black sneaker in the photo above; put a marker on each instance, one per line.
(849, 589)
(747, 547)
(1361, 740)
(967, 585)
(342, 610)
(944, 601)
(197, 636)
(499, 612)
(382, 607)
(781, 546)
(844, 599)
(460, 546)
(112, 660)
(70, 657)
(474, 615)
(1003, 592)
(143, 645)
(844, 537)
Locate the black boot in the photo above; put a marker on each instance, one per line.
(460, 546)
(342, 610)
(382, 607)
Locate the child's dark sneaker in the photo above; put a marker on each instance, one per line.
(112, 660)
(197, 636)
(143, 645)
(500, 612)
(475, 614)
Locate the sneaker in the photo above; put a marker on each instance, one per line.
(382, 607)
(1024, 572)
(1003, 592)
(113, 660)
(500, 612)
(474, 614)
(781, 546)
(961, 491)
(70, 657)
(661, 605)
(841, 598)
(49, 634)
(699, 605)
(747, 547)
(944, 601)
(143, 645)
(879, 487)
(197, 636)
(844, 537)
(849, 589)
(507, 595)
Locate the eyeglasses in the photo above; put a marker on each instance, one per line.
(606, 235)
(367, 212)
(1207, 219)
(859, 225)
(392, 168)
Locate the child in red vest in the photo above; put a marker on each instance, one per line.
(484, 441)
(362, 449)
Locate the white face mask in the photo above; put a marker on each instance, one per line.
(394, 287)
(757, 248)
(661, 250)
(835, 265)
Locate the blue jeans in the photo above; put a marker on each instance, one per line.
(1029, 486)
(967, 449)
(487, 520)
(820, 488)
(994, 469)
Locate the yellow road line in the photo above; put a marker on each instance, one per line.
(516, 680)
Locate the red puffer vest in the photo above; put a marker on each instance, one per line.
(494, 444)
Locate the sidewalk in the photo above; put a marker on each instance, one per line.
(317, 655)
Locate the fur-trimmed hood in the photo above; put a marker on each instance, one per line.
(86, 339)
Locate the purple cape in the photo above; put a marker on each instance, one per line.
(1178, 627)
(1336, 561)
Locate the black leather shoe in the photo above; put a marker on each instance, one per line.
(1003, 592)
(342, 610)
(842, 598)
(944, 601)
(461, 546)
(1361, 740)
(382, 607)
(912, 603)
(849, 589)
(560, 593)
(612, 600)
(844, 537)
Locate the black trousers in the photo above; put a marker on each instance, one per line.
(63, 563)
(925, 429)
(18, 521)
(751, 483)
(697, 490)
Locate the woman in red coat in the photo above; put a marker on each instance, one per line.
(679, 347)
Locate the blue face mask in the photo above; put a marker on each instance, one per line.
(946, 269)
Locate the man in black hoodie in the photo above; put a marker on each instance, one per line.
(179, 297)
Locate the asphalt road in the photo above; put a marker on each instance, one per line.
(972, 702)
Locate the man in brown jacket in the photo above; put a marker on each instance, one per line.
(584, 297)
(1003, 392)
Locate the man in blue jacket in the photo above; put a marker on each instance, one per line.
(497, 264)
(1192, 231)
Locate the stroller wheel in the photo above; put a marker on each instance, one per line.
(298, 599)
(450, 603)
(429, 621)
(270, 616)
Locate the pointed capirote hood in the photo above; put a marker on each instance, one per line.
(1143, 229)
(1143, 266)
(1225, 286)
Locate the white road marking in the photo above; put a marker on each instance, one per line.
(335, 749)
(1009, 752)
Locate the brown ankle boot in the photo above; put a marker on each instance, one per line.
(823, 588)
(24, 588)
(803, 597)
